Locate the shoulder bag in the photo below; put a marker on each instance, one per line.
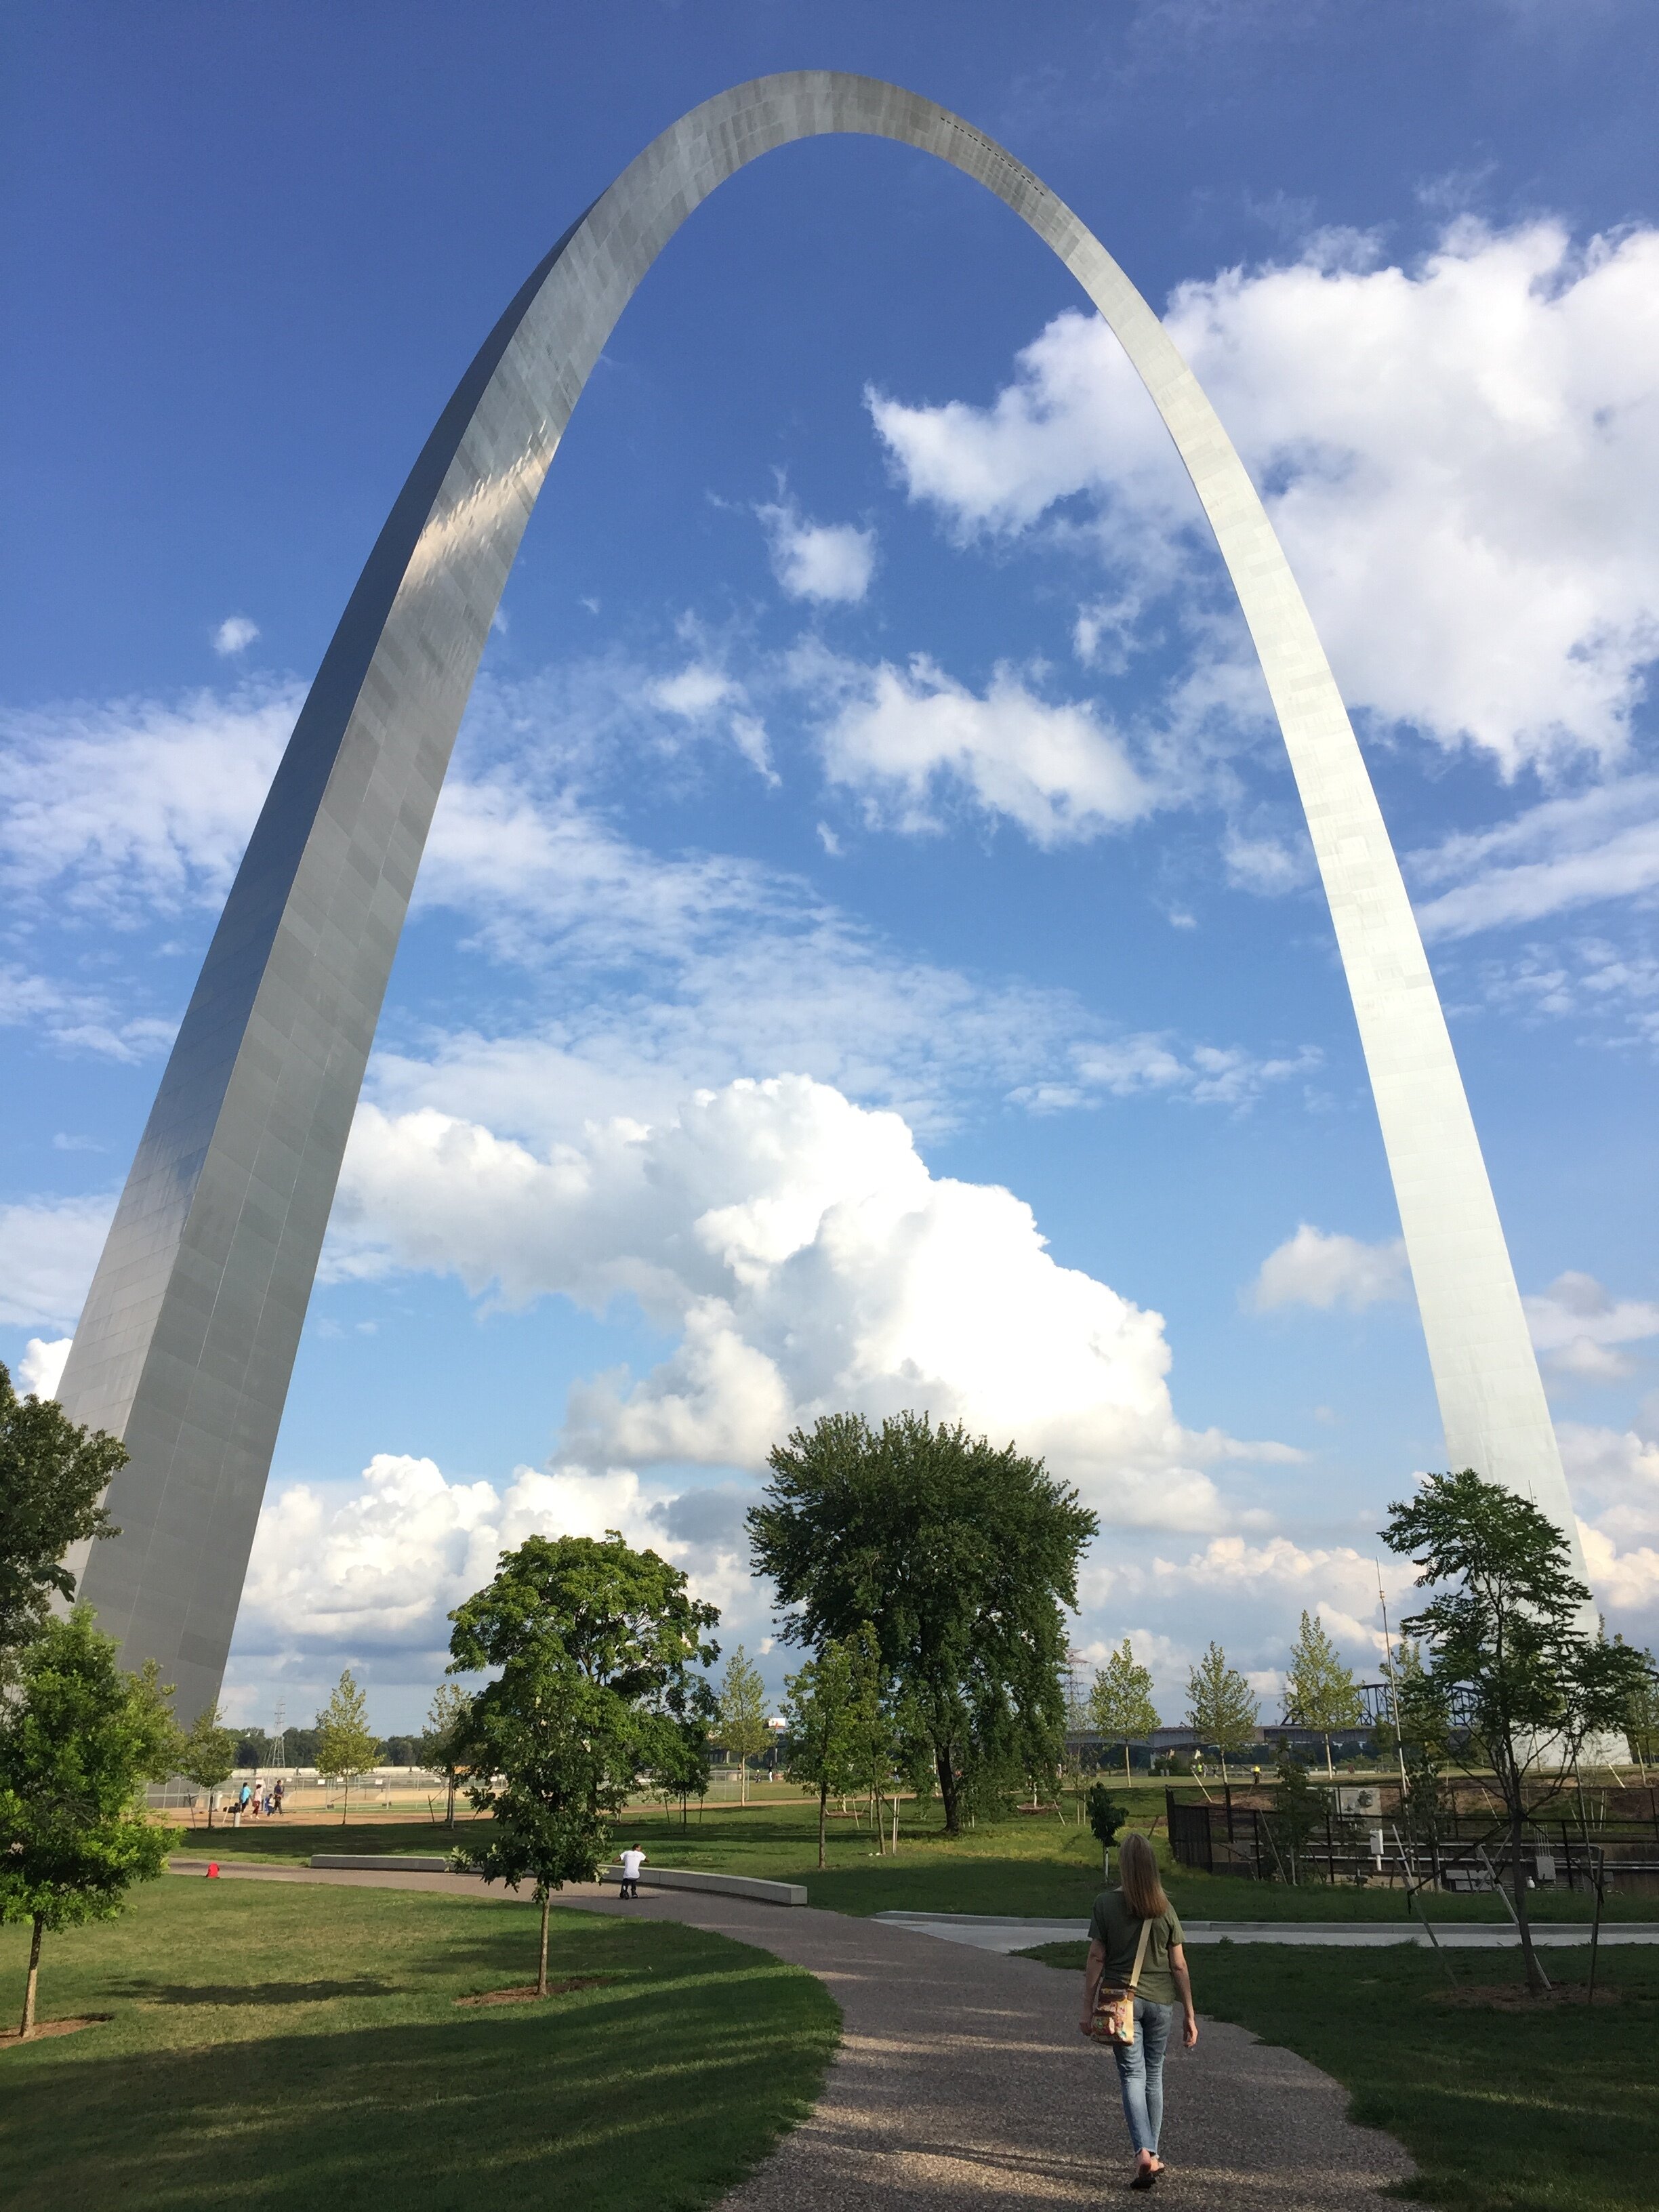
(1114, 2020)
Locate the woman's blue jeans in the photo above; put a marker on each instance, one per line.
(1140, 2073)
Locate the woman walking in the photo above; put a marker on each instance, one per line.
(1135, 1947)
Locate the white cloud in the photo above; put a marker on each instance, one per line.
(830, 561)
(41, 1367)
(132, 809)
(1576, 1325)
(372, 1571)
(1319, 1269)
(234, 635)
(48, 1250)
(1472, 446)
(699, 693)
(906, 739)
(1154, 1062)
(1562, 854)
(811, 1262)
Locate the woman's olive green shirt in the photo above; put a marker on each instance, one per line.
(1117, 1929)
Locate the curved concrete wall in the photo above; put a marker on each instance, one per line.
(193, 1320)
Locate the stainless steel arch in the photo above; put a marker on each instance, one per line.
(189, 1335)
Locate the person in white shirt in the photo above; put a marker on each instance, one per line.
(632, 1861)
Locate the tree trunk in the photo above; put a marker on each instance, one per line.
(28, 2028)
(1127, 1782)
(541, 1970)
(345, 1798)
(948, 1794)
(450, 1815)
(1329, 1769)
(823, 1815)
(743, 1782)
(210, 1808)
(1537, 1981)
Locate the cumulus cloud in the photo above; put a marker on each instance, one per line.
(831, 562)
(1320, 1270)
(811, 1262)
(1577, 1327)
(234, 635)
(42, 1367)
(1471, 445)
(1614, 1475)
(49, 1248)
(372, 1571)
(909, 741)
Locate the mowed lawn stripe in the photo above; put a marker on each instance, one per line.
(267, 2040)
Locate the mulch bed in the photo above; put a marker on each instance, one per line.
(44, 2028)
(529, 1992)
(1509, 1996)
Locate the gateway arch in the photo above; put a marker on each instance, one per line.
(190, 1331)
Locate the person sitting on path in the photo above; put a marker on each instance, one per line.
(1122, 1918)
(632, 1861)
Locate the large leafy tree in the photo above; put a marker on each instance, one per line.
(78, 1740)
(594, 1643)
(52, 1475)
(346, 1746)
(1518, 1678)
(960, 1556)
(742, 1724)
(1121, 1701)
(1221, 1706)
(1320, 1692)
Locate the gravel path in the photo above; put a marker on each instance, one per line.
(961, 2080)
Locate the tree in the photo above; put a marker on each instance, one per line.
(593, 1641)
(446, 1743)
(78, 1740)
(1221, 1706)
(52, 1475)
(1511, 1664)
(346, 1748)
(743, 1715)
(1320, 1692)
(1298, 1810)
(820, 1707)
(1121, 1701)
(961, 1555)
(1106, 1817)
(207, 1754)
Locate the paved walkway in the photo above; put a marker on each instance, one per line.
(983, 1933)
(961, 2080)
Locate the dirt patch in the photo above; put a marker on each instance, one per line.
(529, 1993)
(1512, 1996)
(45, 2027)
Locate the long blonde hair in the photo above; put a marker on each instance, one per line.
(1137, 1874)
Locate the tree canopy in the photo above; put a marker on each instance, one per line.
(1221, 1706)
(346, 1746)
(593, 1642)
(1518, 1677)
(744, 1731)
(1320, 1692)
(1120, 1699)
(833, 1712)
(52, 1475)
(960, 1554)
(78, 1740)
(206, 1753)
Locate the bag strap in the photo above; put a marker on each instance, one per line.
(1140, 1953)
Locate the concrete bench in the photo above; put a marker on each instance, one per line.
(714, 1885)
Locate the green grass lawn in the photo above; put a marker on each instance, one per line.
(1026, 1865)
(275, 2044)
(1504, 2111)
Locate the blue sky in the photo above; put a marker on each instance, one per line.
(868, 953)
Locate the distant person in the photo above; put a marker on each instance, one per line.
(258, 1803)
(632, 1861)
(278, 1793)
(1135, 1947)
(244, 1798)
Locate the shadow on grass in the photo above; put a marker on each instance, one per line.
(142, 1991)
